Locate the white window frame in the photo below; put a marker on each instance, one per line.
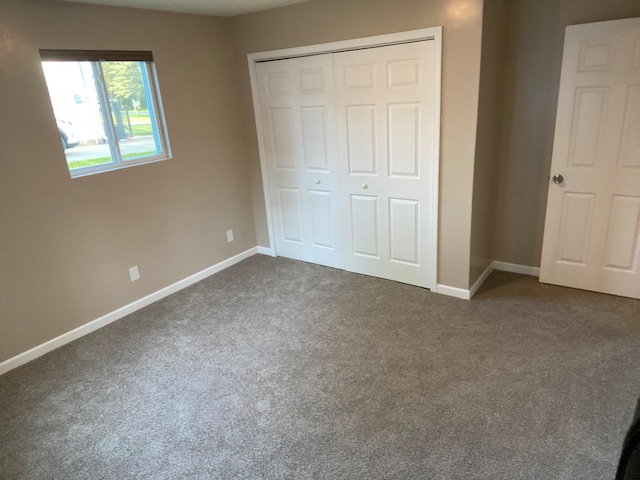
(154, 102)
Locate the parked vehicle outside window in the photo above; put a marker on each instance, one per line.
(67, 134)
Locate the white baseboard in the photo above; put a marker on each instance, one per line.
(111, 317)
(453, 291)
(463, 293)
(495, 265)
(478, 283)
(266, 251)
(515, 268)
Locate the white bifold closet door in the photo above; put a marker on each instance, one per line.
(297, 113)
(386, 124)
(350, 145)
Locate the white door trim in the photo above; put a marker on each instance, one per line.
(431, 34)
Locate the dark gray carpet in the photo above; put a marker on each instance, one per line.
(281, 369)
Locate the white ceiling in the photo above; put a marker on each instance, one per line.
(223, 8)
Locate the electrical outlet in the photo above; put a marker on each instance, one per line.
(229, 236)
(134, 273)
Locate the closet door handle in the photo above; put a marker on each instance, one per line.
(365, 186)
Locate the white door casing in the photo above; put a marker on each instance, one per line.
(405, 187)
(297, 112)
(592, 227)
(387, 128)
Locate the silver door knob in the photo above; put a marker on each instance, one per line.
(558, 179)
(317, 182)
(365, 186)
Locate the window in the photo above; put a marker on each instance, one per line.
(107, 108)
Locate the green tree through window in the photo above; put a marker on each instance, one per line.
(124, 81)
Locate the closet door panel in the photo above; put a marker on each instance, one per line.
(297, 114)
(386, 114)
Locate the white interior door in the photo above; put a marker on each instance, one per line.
(592, 230)
(298, 126)
(387, 117)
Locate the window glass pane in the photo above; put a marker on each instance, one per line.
(72, 89)
(107, 112)
(132, 109)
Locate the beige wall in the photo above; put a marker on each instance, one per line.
(331, 20)
(535, 58)
(66, 245)
(495, 30)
